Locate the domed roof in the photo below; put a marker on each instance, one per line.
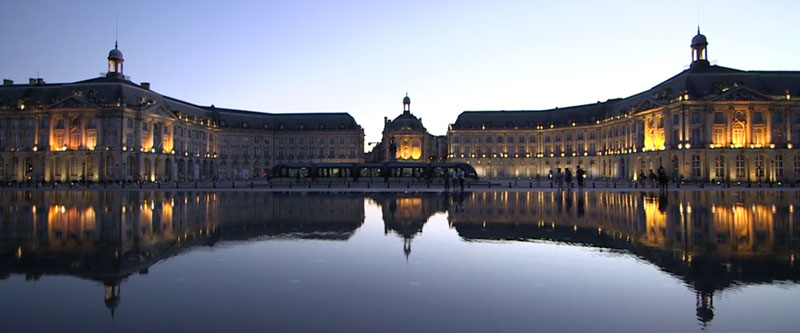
(406, 121)
(115, 54)
(406, 100)
(699, 39)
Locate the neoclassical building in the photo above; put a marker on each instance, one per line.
(109, 128)
(706, 123)
(411, 139)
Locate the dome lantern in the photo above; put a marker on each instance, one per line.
(115, 61)
(699, 48)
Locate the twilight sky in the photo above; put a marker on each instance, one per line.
(362, 56)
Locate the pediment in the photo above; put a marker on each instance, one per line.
(160, 111)
(742, 94)
(646, 104)
(73, 102)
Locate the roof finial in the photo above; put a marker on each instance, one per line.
(116, 32)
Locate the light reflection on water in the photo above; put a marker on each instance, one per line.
(212, 261)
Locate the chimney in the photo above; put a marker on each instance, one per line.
(39, 81)
(385, 120)
(145, 85)
(7, 83)
(32, 81)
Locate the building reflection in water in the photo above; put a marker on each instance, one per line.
(108, 236)
(405, 214)
(711, 240)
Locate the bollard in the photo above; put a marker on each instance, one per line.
(195, 184)
(615, 184)
(490, 185)
(635, 185)
(233, 184)
(593, 185)
(159, 185)
(290, 186)
(530, 185)
(702, 185)
(251, 184)
(367, 184)
(309, 185)
(509, 184)
(408, 184)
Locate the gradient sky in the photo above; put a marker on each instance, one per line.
(361, 57)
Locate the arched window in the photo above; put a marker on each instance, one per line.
(738, 135)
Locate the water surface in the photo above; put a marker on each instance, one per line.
(474, 262)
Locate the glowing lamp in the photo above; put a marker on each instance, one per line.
(688, 145)
(789, 145)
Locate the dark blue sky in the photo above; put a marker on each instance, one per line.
(361, 56)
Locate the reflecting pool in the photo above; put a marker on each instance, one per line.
(399, 262)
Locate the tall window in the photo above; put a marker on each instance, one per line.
(696, 166)
(719, 136)
(675, 166)
(758, 136)
(760, 165)
(779, 166)
(797, 165)
(738, 135)
(740, 166)
(719, 165)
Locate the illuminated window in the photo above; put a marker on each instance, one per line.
(91, 140)
(738, 135)
(758, 136)
(719, 136)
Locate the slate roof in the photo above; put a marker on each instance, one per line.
(110, 90)
(701, 81)
(406, 121)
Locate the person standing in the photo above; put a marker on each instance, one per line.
(560, 179)
(461, 176)
(568, 178)
(579, 174)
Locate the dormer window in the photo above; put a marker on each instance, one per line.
(341, 126)
(245, 125)
(301, 127)
(321, 126)
(281, 127)
(266, 126)
(223, 123)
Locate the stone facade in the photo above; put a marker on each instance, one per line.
(412, 142)
(110, 128)
(708, 123)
